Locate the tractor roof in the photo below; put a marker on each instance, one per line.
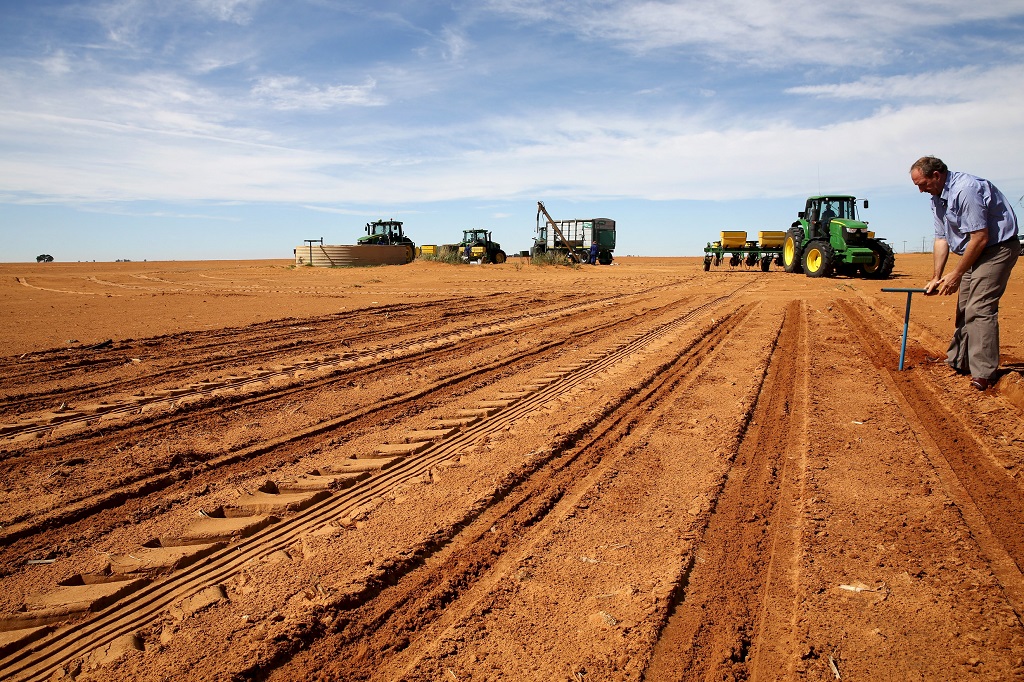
(833, 196)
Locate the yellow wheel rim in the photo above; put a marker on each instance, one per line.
(788, 251)
(813, 260)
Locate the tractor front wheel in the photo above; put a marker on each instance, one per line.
(882, 264)
(499, 256)
(819, 259)
(791, 252)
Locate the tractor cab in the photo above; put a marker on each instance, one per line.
(475, 237)
(821, 211)
(384, 232)
(476, 245)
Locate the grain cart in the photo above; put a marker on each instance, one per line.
(763, 250)
(573, 239)
(476, 245)
(829, 238)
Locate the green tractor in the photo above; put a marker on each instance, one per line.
(829, 239)
(476, 245)
(387, 233)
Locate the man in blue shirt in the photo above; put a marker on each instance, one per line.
(975, 221)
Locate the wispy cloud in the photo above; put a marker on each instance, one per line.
(289, 93)
(769, 32)
(953, 85)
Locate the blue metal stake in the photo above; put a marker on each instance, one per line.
(906, 318)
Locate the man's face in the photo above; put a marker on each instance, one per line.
(931, 184)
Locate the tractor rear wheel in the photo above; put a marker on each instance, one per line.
(883, 263)
(791, 256)
(819, 259)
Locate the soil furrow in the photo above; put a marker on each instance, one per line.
(714, 621)
(215, 569)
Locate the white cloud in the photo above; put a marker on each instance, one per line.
(57, 64)
(769, 32)
(964, 84)
(291, 93)
(235, 11)
(75, 131)
(568, 155)
(455, 43)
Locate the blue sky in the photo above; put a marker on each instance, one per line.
(201, 129)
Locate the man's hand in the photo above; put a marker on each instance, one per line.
(949, 284)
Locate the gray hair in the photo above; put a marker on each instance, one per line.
(927, 165)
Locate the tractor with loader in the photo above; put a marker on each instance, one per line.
(829, 238)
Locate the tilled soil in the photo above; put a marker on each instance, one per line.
(248, 471)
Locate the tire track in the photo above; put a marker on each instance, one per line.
(991, 503)
(343, 354)
(718, 609)
(147, 480)
(132, 612)
(388, 637)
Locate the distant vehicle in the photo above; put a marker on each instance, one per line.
(476, 245)
(573, 238)
(387, 232)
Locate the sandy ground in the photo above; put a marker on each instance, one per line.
(245, 470)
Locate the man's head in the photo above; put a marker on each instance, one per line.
(929, 174)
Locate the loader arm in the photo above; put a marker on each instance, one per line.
(561, 237)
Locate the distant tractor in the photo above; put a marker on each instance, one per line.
(829, 238)
(476, 245)
(387, 232)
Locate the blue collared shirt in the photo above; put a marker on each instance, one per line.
(968, 204)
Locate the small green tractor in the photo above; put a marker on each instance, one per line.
(829, 238)
(476, 245)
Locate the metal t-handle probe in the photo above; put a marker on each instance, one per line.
(906, 318)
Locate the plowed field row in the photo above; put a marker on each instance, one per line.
(636, 473)
(131, 613)
(182, 357)
(94, 493)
